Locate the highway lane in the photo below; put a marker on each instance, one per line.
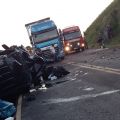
(88, 94)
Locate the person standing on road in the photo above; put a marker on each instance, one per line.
(56, 52)
(100, 40)
(84, 38)
(52, 48)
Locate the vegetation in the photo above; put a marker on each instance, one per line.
(110, 17)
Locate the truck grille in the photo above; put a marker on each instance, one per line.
(74, 44)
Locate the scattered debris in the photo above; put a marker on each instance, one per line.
(85, 73)
(50, 77)
(88, 89)
(19, 72)
(103, 57)
(7, 109)
(73, 79)
(55, 72)
(76, 74)
(78, 80)
(32, 90)
(43, 87)
(10, 118)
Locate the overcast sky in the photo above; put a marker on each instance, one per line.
(14, 14)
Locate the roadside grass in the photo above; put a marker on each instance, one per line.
(111, 15)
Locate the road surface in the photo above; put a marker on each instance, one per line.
(91, 90)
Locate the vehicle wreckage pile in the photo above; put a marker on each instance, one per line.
(19, 71)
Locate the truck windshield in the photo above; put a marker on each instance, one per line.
(46, 36)
(72, 35)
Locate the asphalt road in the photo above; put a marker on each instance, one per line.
(91, 90)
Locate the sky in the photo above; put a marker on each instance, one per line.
(14, 14)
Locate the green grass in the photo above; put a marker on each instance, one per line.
(111, 15)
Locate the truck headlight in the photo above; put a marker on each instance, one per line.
(68, 44)
(67, 48)
(83, 45)
(78, 43)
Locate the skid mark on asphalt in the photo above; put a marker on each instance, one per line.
(99, 68)
(72, 99)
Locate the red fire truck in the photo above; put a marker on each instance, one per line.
(73, 40)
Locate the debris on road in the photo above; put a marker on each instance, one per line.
(85, 73)
(88, 89)
(55, 72)
(7, 109)
(19, 72)
(10, 118)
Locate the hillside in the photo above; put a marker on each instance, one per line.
(108, 24)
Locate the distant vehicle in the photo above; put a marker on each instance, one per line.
(43, 34)
(73, 40)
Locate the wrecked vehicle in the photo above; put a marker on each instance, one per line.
(18, 72)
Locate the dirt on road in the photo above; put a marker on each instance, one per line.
(102, 57)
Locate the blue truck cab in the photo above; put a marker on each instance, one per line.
(43, 34)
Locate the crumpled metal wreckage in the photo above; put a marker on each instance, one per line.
(18, 71)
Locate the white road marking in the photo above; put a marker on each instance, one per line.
(19, 105)
(100, 68)
(72, 99)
